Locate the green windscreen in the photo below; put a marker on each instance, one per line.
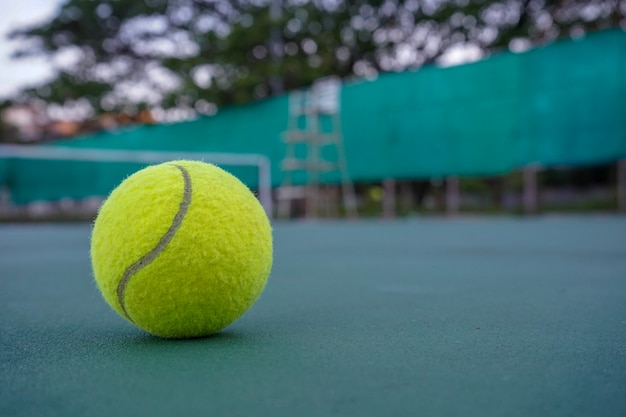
(562, 104)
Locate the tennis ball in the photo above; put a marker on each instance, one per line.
(181, 249)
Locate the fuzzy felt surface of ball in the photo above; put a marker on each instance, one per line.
(181, 249)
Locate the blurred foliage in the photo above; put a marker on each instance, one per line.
(8, 133)
(579, 177)
(196, 54)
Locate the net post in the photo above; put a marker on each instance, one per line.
(265, 185)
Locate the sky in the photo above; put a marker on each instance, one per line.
(15, 74)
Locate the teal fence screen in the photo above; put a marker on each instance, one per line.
(563, 104)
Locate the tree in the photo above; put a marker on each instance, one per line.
(114, 55)
(8, 133)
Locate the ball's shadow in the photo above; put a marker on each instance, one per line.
(221, 338)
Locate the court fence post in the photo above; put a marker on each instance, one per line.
(530, 189)
(621, 185)
(389, 198)
(453, 199)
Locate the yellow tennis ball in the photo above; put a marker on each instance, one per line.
(181, 249)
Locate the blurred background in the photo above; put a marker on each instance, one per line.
(326, 108)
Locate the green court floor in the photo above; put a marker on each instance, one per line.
(421, 317)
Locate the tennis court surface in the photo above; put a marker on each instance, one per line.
(421, 317)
